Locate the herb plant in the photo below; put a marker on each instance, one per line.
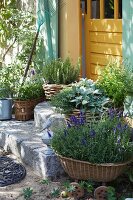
(107, 141)
(114, 80)
(61, 72)
(31, 89)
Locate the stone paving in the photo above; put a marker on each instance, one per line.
(24, 140)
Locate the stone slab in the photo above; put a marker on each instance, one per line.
(23, 139)
(45, 117)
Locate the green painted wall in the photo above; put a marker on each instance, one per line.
(127, 15)
(47, 17)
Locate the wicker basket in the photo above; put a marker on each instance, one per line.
(24, 110)
(82, 170)
(88, 116)
(51, 89)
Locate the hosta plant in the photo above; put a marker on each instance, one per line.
(83, 95)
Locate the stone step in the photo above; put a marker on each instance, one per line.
(45, 116)
(23, 139)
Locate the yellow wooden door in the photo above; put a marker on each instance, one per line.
(103, 34)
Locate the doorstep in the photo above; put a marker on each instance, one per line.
(23, 139)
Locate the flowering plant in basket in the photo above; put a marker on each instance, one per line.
(105, 142)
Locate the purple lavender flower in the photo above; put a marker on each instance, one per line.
(49, 134)
(114, 129)
(111, 113)
(119, 127)
(125, 127)
(92, 133)
(82, 121)
(120, 114)
(65, 132)
(118, 140)
(73, 119)
(84, 142)
(68, 125)
(32, 71)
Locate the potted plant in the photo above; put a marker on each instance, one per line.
(28, 96)
(98, 152)
(83, 95)
(113, 80)
(58, 73)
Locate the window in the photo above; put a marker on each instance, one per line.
(109, 9)
(95, 9)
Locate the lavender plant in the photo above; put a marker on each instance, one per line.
(108, 141)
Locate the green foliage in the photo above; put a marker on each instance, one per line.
(15, 25)
(61, 72)
(45, 182)
(55, 192)
(8, 4)
(129, 173)
(111, 194)
(31, 89)
(115, 80)
(62, 100)
(27, 193)
(18, 28)
(108, 141)
(82, 95)
(112, 81)
(88, 185)
(10, 76)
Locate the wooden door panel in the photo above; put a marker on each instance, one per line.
(106, 25)
(103, 41)
(103, 37)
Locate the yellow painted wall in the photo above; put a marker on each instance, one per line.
(69, 29)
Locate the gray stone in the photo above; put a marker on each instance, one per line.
(24, 140)
(49, 164)
(46, 138)
(41, 113)
(45, 116)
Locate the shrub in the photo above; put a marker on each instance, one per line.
(114, 80)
